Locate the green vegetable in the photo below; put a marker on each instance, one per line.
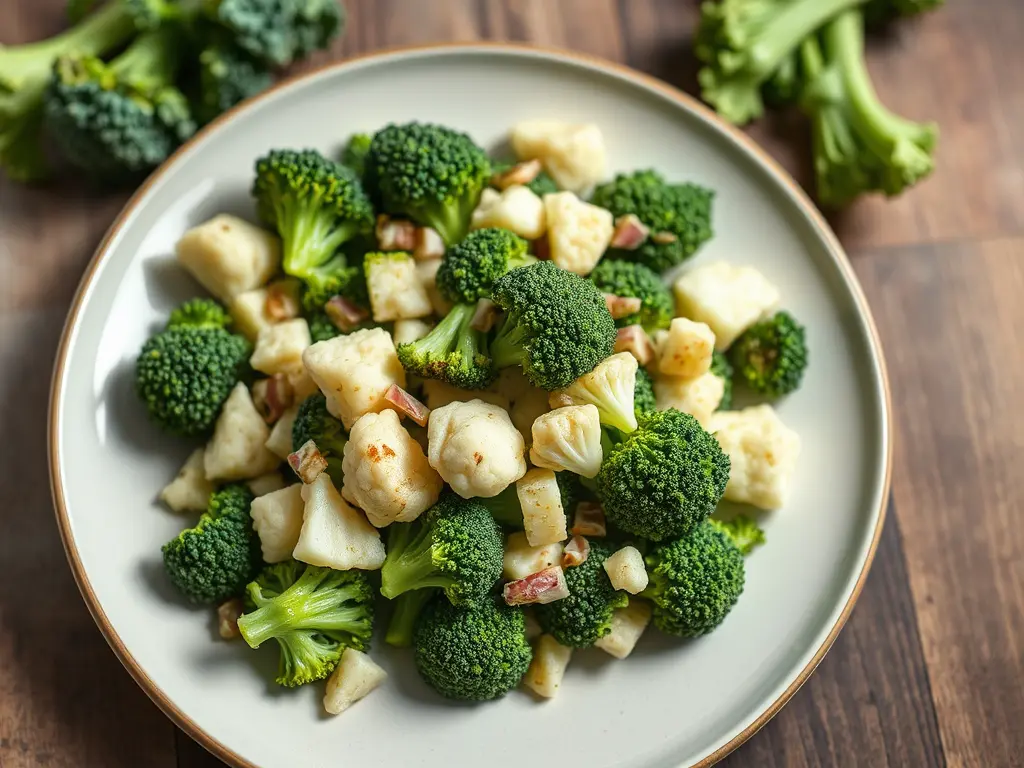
(743, 531)
(214, 560)
(507, 511)
(630, 279)
(541, 185)
(321, 327)
(771, 356)
(228, 75)
(185, 373)
(406, 609)
(643, 394)
(452, 352)
(665, 478)
(278, 32)
(557, 325)
(313, 613)
(469, 270)
(722, 368)
(314, 422)
(784, 86)
(355, 152)
(474, 653)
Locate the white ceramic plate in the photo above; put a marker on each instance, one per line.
(671, 703)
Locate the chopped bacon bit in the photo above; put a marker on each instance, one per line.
(307, 462)
(576, 552)
(395, 234)
(663, 238)
(345, 314)
(520, 173)
(589, 520)
(429, 244)
(540, 588)
(227, 618)
(407, 404)
(630, 233)
(273, 396)
(484, 316)
(634, 339)
(542, 248)
(622, 306)
(282, 302)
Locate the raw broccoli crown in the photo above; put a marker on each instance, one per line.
(679, 213)
(722, 368)
(228, 75)
(199, 313)
(694, 581)
(541, 185)
(314, 422)
(469, 269)
(430, 173)
(355, 152)
(314, 614)
(665, 478)
(631, 279)
(471, 653)
(279, 31)
(743, 531)
(214, 560)
(507, 511)
(771, 356)
(452, 352)
(585, 616)
(455, 545)
(643, 393)
(557, 325)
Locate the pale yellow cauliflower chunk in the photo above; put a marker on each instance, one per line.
(237, 450)
(727, 297)
(396, 291)
(610, 387)
(268, 483)
(578, 232)
(277, 520)
(279, 348)
(698, 397)
(573, 154)
(249, 309)
(523, 558)
(543, 516)
(426, 271)
(626, 570)
(408, 331)
(685, 350)
(334, 535)
(189, 491)
(355, 676)
(568, 438)
(517, 209)
(546, 670)
(525, 402)
(229, 256)
(280, 441)
(628, 625)
(763, 452)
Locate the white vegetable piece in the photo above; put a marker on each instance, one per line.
(237, 450)
(543, 516)
(229, 256)
(279, 348)
(268, 483)
(763, 452)
(426, 271)
(189, 491)
(626, 570)
(568, 438)
(354, 372)
(335, 535)
(439, 394)
(386, 472)
(517, 209)
(728, 298)
(408, 331)
(227, 618)
(578, 232)
(475, 448)
(609, 387)
(260, 308)
(628, 625)
(522, 558)
(686, 351)
(355, 676)
(698, 397)
(280, 441)
(573, 154)
(550, 659)
(277, 520)
(302, 384)
(396, 291)
(526, 403)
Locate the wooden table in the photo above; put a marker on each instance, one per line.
(930, 669)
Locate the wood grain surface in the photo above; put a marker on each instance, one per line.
(930, 669)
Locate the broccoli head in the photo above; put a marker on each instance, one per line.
(453, 352)
(557, 325)
(743, 531)
(722, 368)
(314, 614)
(678, 215)
(585, 616)
(185, 373)
(214, 560)
(771, 355)
(634, 280)
(471, 653)
(314, 422)
(468, 270)
(355, 152)
(643, 393)
(429, 173)
(694, 581)
(278, 32)
(507, 511)
(665, 478)
(454, 545)
(228, 75)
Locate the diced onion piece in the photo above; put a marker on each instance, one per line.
(227, 618)
(355, 676)
(395, 234)
(282, 302)
(550, 658)
(576, 552)
(484, 316)
(407, 404)
(429, 244)
(520, 173)
(307, 462)
(522, 558)
(626, 570)
(628, 624)
(589, 520)
(634, 339)
(630, 233)
(622, 306)
(273, 396)
(539, 588)
(345, 315)
(542, 248)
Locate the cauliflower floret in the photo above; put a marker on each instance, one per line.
(279, 348)
(280, 441)
(543, 516)
(522, 558)
(578, 232)
(628, 625)
(302, 384)
(686, 349)
(728, 298)
(573, 154)
(568, 438)
(396, 291)
(475, 448)
(277, 520)
(438, 394)
(550, 658)
(190, 490)
(229, 256)
(268, 483)
(517, 209)
(526, 403)
(763, 452)
(426, 271)
(408, 331)
(355, 676)
(626, 570)
(237, 450)
(354, 372)
(335, 535)
(698, 397)
(386, 471)
(609, 387)
(249, 309)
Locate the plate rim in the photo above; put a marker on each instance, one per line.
(586, 61)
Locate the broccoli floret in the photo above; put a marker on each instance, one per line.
(678, 215)
(630, 279)
(452, 352)
(185, 373)
(771, 355)
(643, 394)
(314, 422)
(468, 270)
(321, 327)
(585, 616)
(355, 152)
(471, 653)
(541, 185)
(557, 325)
(279, 32)
(454, 545)
(313, 613)
(507, 511)
(743, 531)
(406, 608)
(430, 173)
(214, 560)
(694, 581)
(722, 368)
(665, 478)
(228, 75)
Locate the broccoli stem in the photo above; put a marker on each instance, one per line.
(452, 221)
(406, 610)
(410, 563)
(509, 346)
(454, 326)
(149, 63)
(310, 237)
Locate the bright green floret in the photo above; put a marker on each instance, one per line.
(694, 581)
(469, 270)
(507, 511)
(632, 280)
(744, 532)
(429, 173)
(585, 616)
(722, 368)
(228, 75)
(278, 32)
(313, 613)
(771, 356)
(665, 478)
(214, 560)
(454, 545)
(185, 372)
(557, 326)
(314, 422)
(453, 352)
(355, 152)
(406, 609)
(541, 185)
(678, 216)
(473, 653)
(643, 393)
